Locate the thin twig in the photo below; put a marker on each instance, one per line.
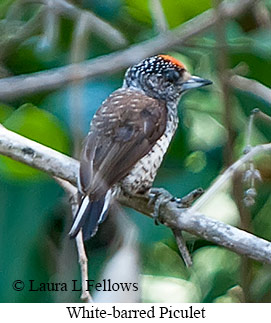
(50, 35)
(252, 174)
(222, 59)
(57, 164)
(83, 261)
(185, 202)
(263, 116)
(29, 29)
(262, 15)
(95, 24)
(18, 86)
(182, 247)
(82, 256)
(249, 129)
(158, 16)
(245, 224)
(78, 54)
(244, 84)
(227, 175)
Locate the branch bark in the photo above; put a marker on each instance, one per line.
(247, 85)
(18, 86)
(190, 220)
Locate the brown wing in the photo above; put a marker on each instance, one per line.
(123, 130)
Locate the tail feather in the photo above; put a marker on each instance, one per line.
(106, 205)
(80, 217)
(90, 226)
(89, 215)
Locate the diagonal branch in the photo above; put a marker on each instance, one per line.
(227, 175)
(62, 166)
(18, 86)
(94, 23)
(29, 29)
(247, 85)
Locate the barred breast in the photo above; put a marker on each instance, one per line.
(142, 175)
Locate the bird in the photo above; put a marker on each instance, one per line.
(129, 136)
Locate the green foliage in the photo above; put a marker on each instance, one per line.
(214, 267)
(196, 161)
(38, 125)
(4, 5)
(176, 11)
(5, 112)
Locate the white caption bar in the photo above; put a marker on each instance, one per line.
(63, 312)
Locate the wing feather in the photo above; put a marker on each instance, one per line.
(123, 130)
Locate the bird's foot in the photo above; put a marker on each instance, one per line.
(186, 201)
(160, 197)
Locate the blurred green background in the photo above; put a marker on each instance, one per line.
(34, 211)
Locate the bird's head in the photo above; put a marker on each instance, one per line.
(162, 77)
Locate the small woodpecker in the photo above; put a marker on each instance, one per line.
(129, 136)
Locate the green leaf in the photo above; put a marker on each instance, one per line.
(214, 267)
(233, 295)
(176, 11)
(5, 112)
(38, 125)
(196, 161)
(139, 10)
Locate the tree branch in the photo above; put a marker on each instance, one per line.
(82, 256)
(38, 156)
(222, 65)
(158, 16)
(18, 86)
(97, 25)
(59, 165)
(227, 175)
(29, 29)
(244, 84)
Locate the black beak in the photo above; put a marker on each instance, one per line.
(195, 82)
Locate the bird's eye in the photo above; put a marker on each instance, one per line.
(171, 75)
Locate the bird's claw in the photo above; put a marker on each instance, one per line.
(160, 197)
(187, 200)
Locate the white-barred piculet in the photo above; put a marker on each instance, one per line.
(129, 136)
